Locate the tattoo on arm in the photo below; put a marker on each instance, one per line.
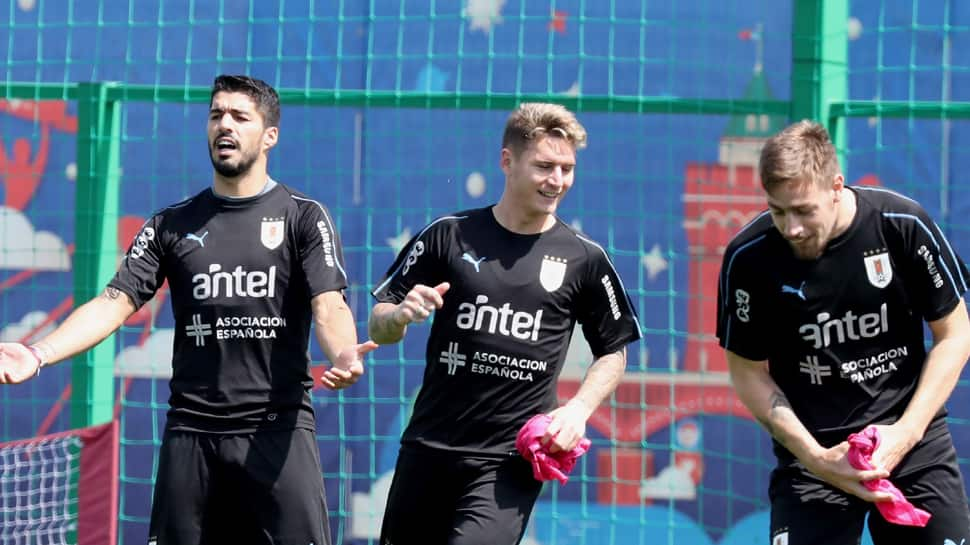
(780, 407)
(778, 400)
(111, 293)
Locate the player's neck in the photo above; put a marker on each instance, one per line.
(847, 211)
(245, 185)
(519, 222)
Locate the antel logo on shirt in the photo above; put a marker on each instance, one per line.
(850, 327)
(502, 320)
(238, 283)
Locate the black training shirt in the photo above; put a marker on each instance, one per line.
(241, 274)
(496, 347)
(842, 334)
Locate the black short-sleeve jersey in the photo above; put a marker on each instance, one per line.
(241, 274)
(496, 347)
(842, 334)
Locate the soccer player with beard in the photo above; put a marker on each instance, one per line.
(250, 263)
(507, 283)
(821, 309)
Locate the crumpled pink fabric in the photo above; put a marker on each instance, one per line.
(897, 511)
(546, 465)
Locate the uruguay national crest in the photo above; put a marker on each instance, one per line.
(552, 272)
(878, 269)
(271, 232)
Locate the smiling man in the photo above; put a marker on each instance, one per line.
(821, 306)
(250, 264)
(508, 283)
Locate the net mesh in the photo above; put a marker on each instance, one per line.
(38, 490)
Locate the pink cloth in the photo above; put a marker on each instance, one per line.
(897, 511)
(547, 465)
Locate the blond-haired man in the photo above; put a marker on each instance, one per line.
(507, 283)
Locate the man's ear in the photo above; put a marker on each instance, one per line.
(838, 184)
(505, 160)
(270, 137)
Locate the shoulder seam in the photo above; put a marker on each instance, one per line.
(179, 204)
(330, 224)
(725, 291)
(946, 243)
(885, 190)
(748, 226)
(636, 320)
(391, 276)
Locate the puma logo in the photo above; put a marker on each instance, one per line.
(788, 289)
(197, 238)
(476, 262)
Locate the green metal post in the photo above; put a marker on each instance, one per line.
(96, 232)
(820, 62)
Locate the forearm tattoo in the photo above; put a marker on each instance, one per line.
(111, 293)
(780, 408)
(778, 400)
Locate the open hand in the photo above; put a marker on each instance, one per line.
(17, 363)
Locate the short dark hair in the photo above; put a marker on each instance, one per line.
(266, 98)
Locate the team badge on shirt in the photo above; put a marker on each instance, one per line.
(878, 269)
(271, 232)
(552, 272)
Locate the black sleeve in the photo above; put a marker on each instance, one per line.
(606, 313)
(141, 272)
(321, 253)
(422, 261)
(741, 309)
(936, 278)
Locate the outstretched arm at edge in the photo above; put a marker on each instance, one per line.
(87, 326)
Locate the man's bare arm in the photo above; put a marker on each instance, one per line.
(941, 371)
(389, 322)
(568, 425)
(87, 326)
(768, 404)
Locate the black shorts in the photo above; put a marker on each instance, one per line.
(453, 499)
(262, 488)
(808, 511)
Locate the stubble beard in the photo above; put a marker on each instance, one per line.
(228, 170)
